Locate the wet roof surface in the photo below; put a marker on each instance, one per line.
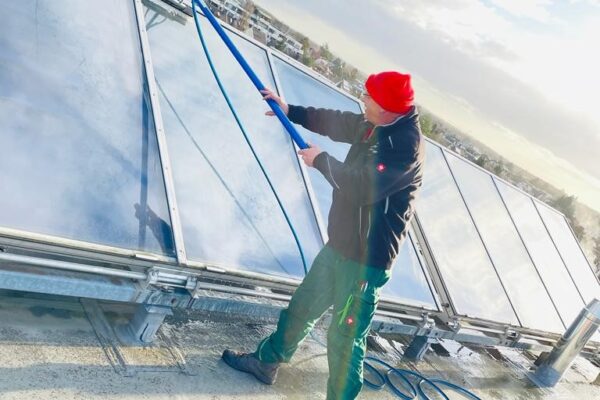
(50, 350)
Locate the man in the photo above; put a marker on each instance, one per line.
(373, 194)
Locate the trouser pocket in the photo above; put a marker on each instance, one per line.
(354, 318)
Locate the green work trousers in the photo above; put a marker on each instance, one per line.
(353, 290)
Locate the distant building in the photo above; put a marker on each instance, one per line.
(344, 85)
(323, 66)
(237, 14)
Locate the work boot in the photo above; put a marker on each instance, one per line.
(264, 372)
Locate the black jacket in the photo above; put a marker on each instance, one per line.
(375, 187)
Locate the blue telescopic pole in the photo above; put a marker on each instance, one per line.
(255, 80)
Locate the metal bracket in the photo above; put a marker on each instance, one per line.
(151, 278)
(425, 325)
(143, 326)
(509, 336)
(454, 325)
(180, 6)
(192, 284)
(195, 289)
(426, 321)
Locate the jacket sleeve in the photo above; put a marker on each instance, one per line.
(340, 126)
(381, 175)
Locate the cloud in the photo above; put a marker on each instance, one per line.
(533, 9)
(591, 3)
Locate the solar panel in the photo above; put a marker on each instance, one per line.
(572, 255)
(299, 88)
(543, 252)
(229, 214)
(468, 274)
(519, 276)
(79, 154)
(409, 283)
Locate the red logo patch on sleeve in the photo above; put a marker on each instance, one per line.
(380, 167)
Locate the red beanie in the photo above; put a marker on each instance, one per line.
(391, 90)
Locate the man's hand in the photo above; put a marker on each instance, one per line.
(309, 155)
(268, 94)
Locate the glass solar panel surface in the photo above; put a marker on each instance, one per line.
(571, 253)
(524, 286)
(543, 253)
(462, 260)
(79, 154)
(301, 89)
(229, 215)
(409, 283)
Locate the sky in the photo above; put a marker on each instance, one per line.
(521, 76)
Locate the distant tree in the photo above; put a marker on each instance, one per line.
(426, 124)
(305, 44)
(325, 53)
(279, 44)
(482, 160)
(429, 128)
(249, 9)
(596, 253)
(499, 169)
(338, 68)
(306, 58)
(566, 205)
(578, 230)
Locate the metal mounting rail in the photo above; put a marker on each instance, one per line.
(70, 266)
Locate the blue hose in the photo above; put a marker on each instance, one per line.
(255, 80)
(403, 374)
(236, 117)
(414, 389)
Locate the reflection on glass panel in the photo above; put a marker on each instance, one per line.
(300, 89)
(408, 284)
(571, 253)
(519, 276)
(542, 251)
(79, 154)
(463, 262)
(229, 214)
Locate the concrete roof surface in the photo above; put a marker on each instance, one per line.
(51, 349)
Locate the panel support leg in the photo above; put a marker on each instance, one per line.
(418, 347)
(143, 326)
